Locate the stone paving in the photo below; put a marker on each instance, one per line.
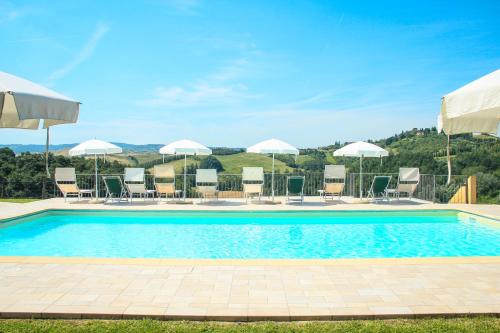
(328, 290)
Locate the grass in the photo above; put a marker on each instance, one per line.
(455, 325)
(233, 164)
(19, 200)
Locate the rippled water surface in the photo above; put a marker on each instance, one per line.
(250, 235)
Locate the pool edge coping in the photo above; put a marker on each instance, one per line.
(248, 262)
(241, 318)
(49, 210)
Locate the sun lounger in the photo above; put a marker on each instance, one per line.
(408, 180)
(164, 180)
(114, 188)
(207, 183)
(333, 181)
(253, 182)
(134, 182)
(65, 179)
(378, 189)
(295, 187)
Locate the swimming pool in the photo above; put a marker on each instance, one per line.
(244, 235)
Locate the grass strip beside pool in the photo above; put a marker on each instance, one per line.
(464, 325)
(18, 200)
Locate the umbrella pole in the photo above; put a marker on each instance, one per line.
(47, 153)
(449, 161)
(163, 158)
(185, 165)
(96, 179)
(272, 180)
(361, 177)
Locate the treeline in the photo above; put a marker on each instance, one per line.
(24, 175)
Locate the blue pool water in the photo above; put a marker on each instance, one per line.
(250, 235)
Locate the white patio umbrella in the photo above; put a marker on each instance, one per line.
(473, 108)
(273, 146)
(361, 149)
(95, 147)
(24, 103)
(185, 147)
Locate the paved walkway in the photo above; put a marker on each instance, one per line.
(334, 290)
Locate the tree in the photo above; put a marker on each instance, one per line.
(211, 162)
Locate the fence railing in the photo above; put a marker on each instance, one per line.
(431, 188)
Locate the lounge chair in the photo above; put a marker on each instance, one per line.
(378, 189)
(295, 187)
(114, 188)
(253, 182)
(65, 179)
(333, 181)
(207, 183)
(408, 180)
(164, 180)
(134, 182)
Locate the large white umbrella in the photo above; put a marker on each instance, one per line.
(473, 108)
(95, 147)
(24, 103)
(273, 146)
(361, 149)
(185, 147)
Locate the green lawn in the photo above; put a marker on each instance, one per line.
(18, 200)
(233, 164)
(455, 325)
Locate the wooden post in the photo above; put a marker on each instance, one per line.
(471, 190)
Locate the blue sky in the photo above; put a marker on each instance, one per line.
(232, 73)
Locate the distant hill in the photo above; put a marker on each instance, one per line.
(127, 147)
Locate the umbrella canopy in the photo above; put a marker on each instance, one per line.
(473, 108)
(23, 104)
(273, 146)
(185, 147)
(361, 149)
(95, 147)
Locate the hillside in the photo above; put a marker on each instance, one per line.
(234, 163)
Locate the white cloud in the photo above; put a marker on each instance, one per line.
(218, 88)
(197, 95)
(10, 12)
(9, 15)
(234, 70)
(84, 54)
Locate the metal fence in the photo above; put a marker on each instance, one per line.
(431, 188)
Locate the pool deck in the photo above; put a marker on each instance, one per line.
(11, 210)
(241, 290)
